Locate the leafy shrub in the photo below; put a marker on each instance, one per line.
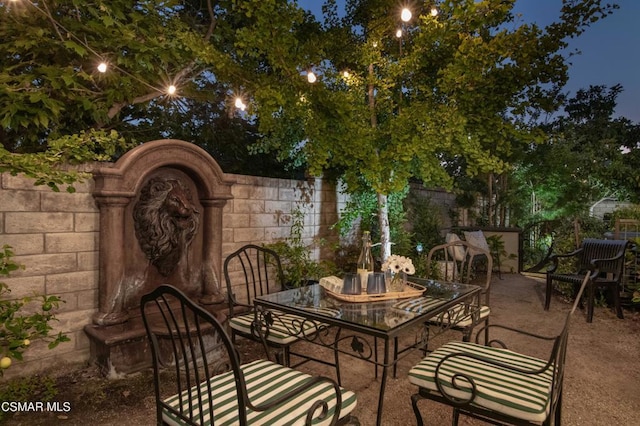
(28, 389)
(629, 212)
(426, 222)
(295, 256)
(24, 320)
(362, 210)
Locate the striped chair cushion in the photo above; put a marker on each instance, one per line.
(461, 318)
(265, 381)
(418, 304)
(523, 396)
(421, 304)
(282, 331)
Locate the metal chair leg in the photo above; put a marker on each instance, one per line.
(616, 301)
(414, 403)
(336, 356)
(590, 301)
(547, 294)
(455, 417)
(558, 414)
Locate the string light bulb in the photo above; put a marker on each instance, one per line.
(171, 90)
(311, 77)
(406, 14)
(102, 67)
(434, 11)
(239, 103)
(399, 33)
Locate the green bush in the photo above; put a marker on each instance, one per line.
(24, 320)
(28, 389)
(629, 212)
(362, 210)
(426, 224)
(295, 256)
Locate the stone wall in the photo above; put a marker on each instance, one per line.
(55, 236)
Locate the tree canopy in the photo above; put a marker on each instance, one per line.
(51, 86)
(458, 87)
(462, 82)
(459, 83)
(589, 155)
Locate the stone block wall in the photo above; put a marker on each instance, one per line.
(261, 210)
(55, 236)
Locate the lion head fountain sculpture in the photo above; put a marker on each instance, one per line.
(165, 221)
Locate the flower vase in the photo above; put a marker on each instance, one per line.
(396, 281)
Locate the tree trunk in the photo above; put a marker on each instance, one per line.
(383, 221)
(490, 212)
(504, 183)
(372, 100)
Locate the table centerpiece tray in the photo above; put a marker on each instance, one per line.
(410, 290)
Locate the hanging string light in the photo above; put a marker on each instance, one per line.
(102, 66)
(406, 14)
(311, 77)
(239, 103)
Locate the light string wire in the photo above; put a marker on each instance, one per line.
(58, 26)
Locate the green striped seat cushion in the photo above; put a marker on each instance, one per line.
(422, 304)
(419, 304)
(282, 331)
(461, 318)
(265, 381)
(523, 396)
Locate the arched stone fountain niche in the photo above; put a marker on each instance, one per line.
(160, 222)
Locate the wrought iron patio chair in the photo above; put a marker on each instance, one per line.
(494, 384)
(200, 380)
(602, 260)
(454, 262)
(253, 271)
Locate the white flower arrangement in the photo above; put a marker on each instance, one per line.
(396, 263)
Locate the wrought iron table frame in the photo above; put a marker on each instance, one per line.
(380, 320)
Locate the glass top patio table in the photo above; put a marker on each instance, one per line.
(384, 318)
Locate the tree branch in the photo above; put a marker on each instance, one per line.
(183, 73)
(116, 108)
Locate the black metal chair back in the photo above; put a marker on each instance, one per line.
(251, 271)
(195, 347)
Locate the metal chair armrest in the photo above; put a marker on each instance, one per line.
(555, 258)
(481, 330)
